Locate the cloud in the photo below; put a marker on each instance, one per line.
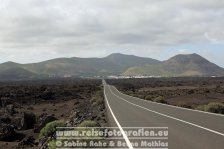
(212, 40)
(44, 29)
(184, 51)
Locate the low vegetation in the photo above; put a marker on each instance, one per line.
(185, 106)
(212, 107)
(148, 97)
(52, 144)
(88, 123)
(160, 99)
(98, 98)
(50, 128)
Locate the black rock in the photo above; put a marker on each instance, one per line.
(42, 122)
(28, 120)
(27, 143)
(6, 132)
(47, 95)
(9, 109)
(5, 119)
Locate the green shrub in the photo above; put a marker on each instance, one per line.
(97, 99)
(88, 123)
(129, 93)
(50, 128)
(201, 107)
(212, 107)
(99, 93)
(93, 137)
(160, 99)
(94, 99)
(85, 124)
(148, 97)
(185, 106)
(52, 144)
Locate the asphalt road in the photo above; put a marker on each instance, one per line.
(188, 129)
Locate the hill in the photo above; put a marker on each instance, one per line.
(15, 73)
(113, 64)
(179, 65)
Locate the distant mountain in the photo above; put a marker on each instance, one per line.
(7, 65)
(15, 73)
(118, 63)
(113, 64)
(179, 65)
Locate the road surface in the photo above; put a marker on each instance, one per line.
(188, 129)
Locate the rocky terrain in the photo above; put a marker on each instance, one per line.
(27, 106)
(194, 93)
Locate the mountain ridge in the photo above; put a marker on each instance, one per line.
(180, 65)
(115, 64)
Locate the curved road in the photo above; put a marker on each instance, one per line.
(188, 129)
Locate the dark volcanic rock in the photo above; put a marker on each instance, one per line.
(42, 122)
(47, 95)
(9, 109)
(6, 132)
(5, 119)
(27, 143)
(5, 101)
(28, 120)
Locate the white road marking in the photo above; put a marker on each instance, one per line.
(118, 124)
(170, 105)
(192, 124)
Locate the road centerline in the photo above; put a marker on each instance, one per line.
(192, 124)
(216, 114)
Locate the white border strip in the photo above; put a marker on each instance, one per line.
(114, 148)
(169, 105)
(118, 124)
(117, 127)
(192, 124)
(151, 138)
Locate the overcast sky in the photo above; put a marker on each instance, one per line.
(37, 30)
